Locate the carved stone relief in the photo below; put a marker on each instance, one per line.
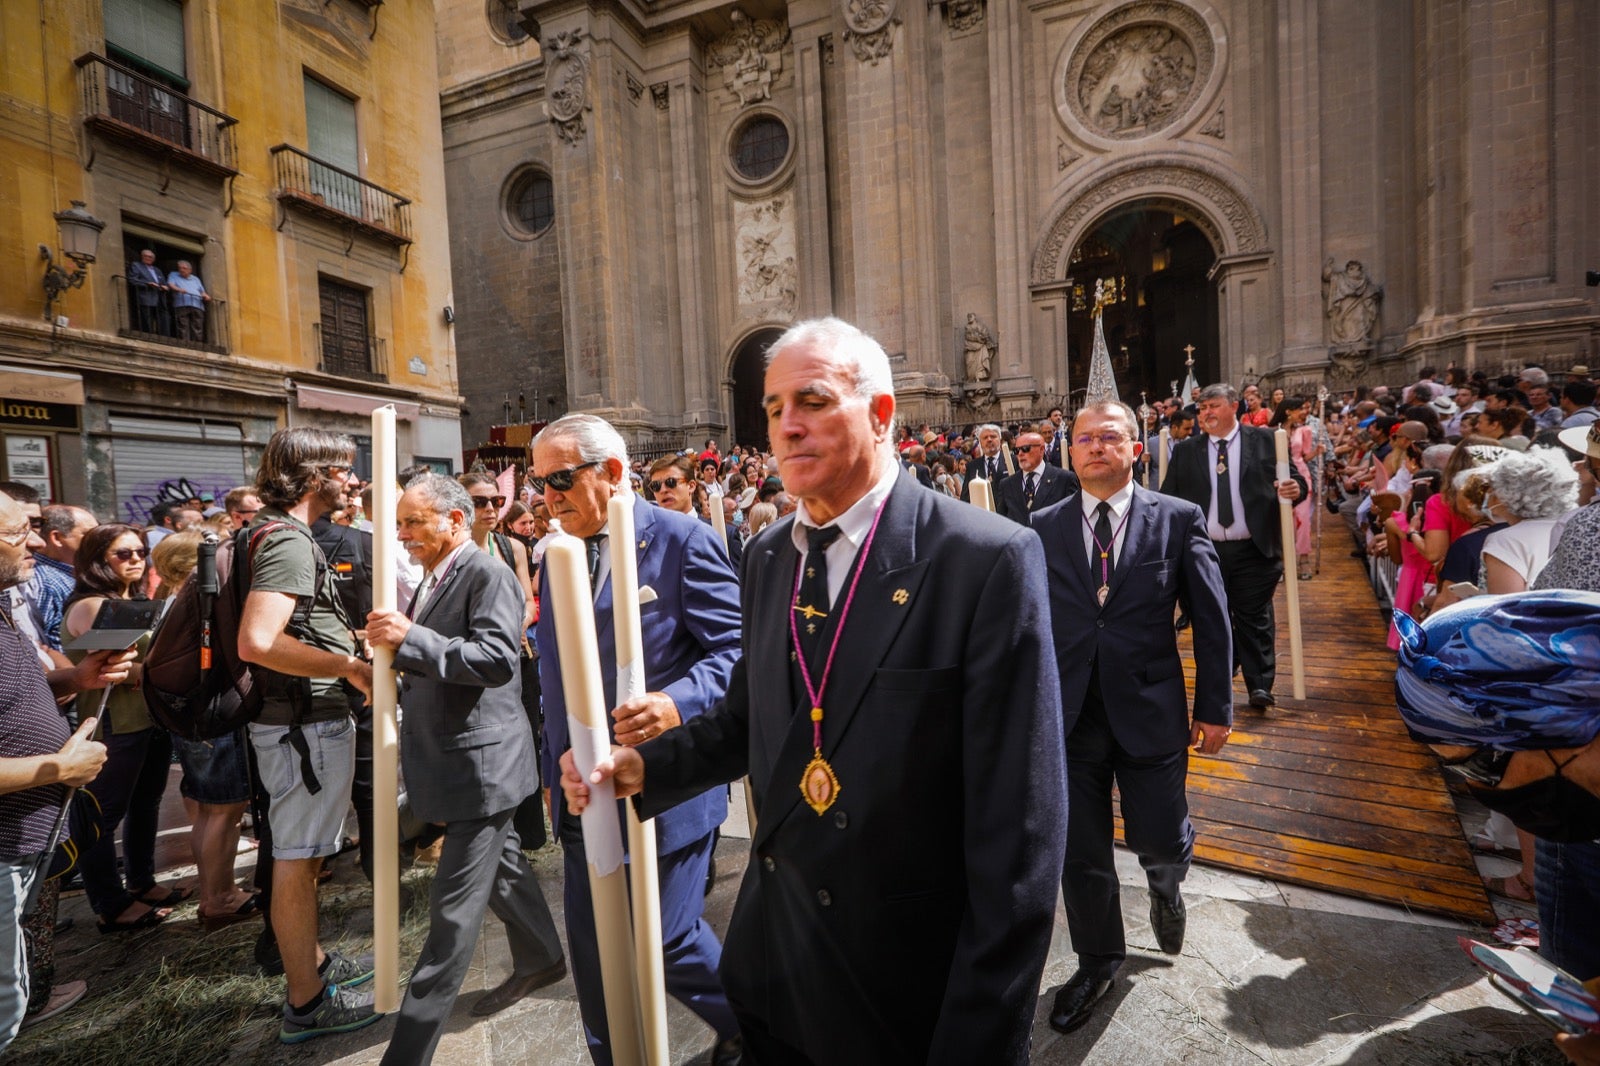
(660, 95)
(869, 27)
(567, 84)
(751, 56)
(764, 237)
(1350, 302)
(1065, 156)
(1218, 126)
(635, 86)
(963, 15)
(1139, 69)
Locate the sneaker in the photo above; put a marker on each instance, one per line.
(61, 998)
(340, 1011)
(345, 972)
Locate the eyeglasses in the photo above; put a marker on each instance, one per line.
(336, 470)
(1483, 767)
(665, 483)
(1109, 440)
(488, 501)
(127, 555)
(246, 511)
(16, 537)
(560, 480)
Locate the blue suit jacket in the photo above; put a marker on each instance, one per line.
(1166, 558)
(691, 641)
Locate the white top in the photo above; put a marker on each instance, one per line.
(1120, 501)
(1524, 547)
(1237, 531)
(853, 525)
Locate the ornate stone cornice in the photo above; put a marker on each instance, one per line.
(869, 27)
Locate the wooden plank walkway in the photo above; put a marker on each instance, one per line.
(1332, 792)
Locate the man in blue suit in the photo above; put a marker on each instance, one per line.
(1122, 557)
(691, 642)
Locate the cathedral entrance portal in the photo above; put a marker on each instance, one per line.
(1153, 260)
(748, 379)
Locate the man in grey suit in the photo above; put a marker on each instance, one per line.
(468, 756)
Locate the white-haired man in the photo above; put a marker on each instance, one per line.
(906, 761)
(988, 461)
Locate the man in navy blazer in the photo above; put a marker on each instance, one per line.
(1120, 559)
(691, 641)
(902, 913)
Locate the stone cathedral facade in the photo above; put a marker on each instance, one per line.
(642, 193)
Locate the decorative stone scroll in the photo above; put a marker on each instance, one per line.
(869, 27)
(751, 56)
(567, 84)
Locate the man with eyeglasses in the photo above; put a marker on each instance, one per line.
(1124, 557)
(242, 505)
(1036, 485)
(1230, 470)
(691, 641)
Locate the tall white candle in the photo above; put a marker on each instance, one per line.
(385, 747)
(643, 875)
(719, 520)
(1164, 445)
(980, 494)
(1291, 575)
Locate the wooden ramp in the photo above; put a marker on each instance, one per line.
(1332, 792)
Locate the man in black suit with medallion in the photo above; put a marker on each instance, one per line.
(1123, 556)
(1037, 485)
(907, 762)
(1243, 522)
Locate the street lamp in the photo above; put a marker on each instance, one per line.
(80, 239)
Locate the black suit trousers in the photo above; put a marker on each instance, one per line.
(1251, 578)
(1156, 827)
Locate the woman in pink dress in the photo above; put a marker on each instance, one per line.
(1291, 414)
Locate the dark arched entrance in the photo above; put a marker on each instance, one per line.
(748, 377)
(1154, 261)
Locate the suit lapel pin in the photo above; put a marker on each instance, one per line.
(901, 596)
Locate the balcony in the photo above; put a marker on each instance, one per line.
(122, 104)
(363, 358)
(159, 322)
(323, 190)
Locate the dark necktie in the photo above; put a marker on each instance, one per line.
(1029, 484)
(592, 547)
(1224, 486)
(813, 605)
(1100, 569)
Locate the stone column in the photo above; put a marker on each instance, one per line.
(1244, 294)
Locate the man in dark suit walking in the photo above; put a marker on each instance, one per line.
(1243, 523)
(466, 748)
(907, 763)
(691, 641)
(989, 461)
(1037, 485)
(1124, 556)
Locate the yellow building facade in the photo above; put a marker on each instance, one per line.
(289, 152)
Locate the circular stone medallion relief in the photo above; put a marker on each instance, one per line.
(1138, 70)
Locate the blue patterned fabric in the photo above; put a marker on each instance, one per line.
(1513, 672)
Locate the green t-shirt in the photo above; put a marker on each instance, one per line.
(285, 561)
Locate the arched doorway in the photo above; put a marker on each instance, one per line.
(1154, 260)
(748, 377)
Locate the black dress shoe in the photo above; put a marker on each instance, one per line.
(1169, 918)
(1260, 697)
(516, 987)
(729, 1052)
(1075, 1002)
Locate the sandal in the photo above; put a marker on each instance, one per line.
(144, 921)
(245, 911)
(1305, 575)
(1502, 886)
(170, 899)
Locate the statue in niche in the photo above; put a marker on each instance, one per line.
(979, 346)
(751, 56)
(1350, 300)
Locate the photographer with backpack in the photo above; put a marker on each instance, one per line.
(295, 633)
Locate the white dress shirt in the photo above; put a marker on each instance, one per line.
(853, 525)
(1237, 531)
(430, 584)
(1120, 501)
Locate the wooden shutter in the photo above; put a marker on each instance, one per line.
(345, 345)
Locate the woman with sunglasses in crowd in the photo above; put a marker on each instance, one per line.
(110, 564)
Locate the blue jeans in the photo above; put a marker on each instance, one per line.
(1568, 876)
(18, 885)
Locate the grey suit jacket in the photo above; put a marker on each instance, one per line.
(465, 742)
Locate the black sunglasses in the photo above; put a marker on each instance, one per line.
(665, 483)
(560, 480)
(488, 501)
(125, 555)
(36, 523)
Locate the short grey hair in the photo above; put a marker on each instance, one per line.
(1113, 407)
(868, 360)
(597, 439)
(1535, 376)
(1219, 392)
(443, 493)
(1436, 455)
(1538, 483)
(987, 427)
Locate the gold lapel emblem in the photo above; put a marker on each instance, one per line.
(643, 544)
(901, 597)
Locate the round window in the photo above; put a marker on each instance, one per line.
(505, 21)
(760, 148)
(530, 203)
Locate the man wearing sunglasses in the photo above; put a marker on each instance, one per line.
(1036, 485)
(691, 641)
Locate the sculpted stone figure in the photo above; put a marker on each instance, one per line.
(1350, 300)
(980, 345)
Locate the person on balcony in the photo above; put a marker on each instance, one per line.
(189, 298)
(145, 279)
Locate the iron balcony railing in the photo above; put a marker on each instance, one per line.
(309, 184)
(120, 102)
(147, 314)
(351, 357)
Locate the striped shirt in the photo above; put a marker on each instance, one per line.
(30, 724)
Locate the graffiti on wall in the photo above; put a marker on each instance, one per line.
(143, 499)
